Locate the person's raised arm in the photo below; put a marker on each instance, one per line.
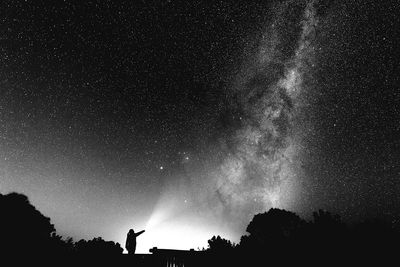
(139, 233)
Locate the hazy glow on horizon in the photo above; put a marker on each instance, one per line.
(170, 228)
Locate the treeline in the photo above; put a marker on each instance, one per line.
(276, 235)
(280, 236)
(27, 232)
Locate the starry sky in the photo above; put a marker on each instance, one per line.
(186, 118)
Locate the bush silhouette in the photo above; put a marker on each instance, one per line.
(97, 247)
(218, 244)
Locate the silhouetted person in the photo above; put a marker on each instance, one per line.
(130, 244)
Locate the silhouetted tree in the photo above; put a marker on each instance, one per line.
(60, 246)
(221, 252)
(23, 228)
(326, 234)
(274, 229)
(218, 244)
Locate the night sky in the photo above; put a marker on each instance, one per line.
(186, 118)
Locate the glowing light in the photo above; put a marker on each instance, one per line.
(174, 234)
(273, 198)
(171, 230)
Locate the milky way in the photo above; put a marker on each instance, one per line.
(187, 117)
(256, 164)
(261, 166)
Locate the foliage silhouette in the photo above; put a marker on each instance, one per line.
(274, 230)
(271, 237)
(218, 244)
(327, 233)
(97, 246)
(221, 251)
(23, 227)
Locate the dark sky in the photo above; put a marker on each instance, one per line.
(187, 118)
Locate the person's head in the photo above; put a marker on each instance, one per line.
(131, 231)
